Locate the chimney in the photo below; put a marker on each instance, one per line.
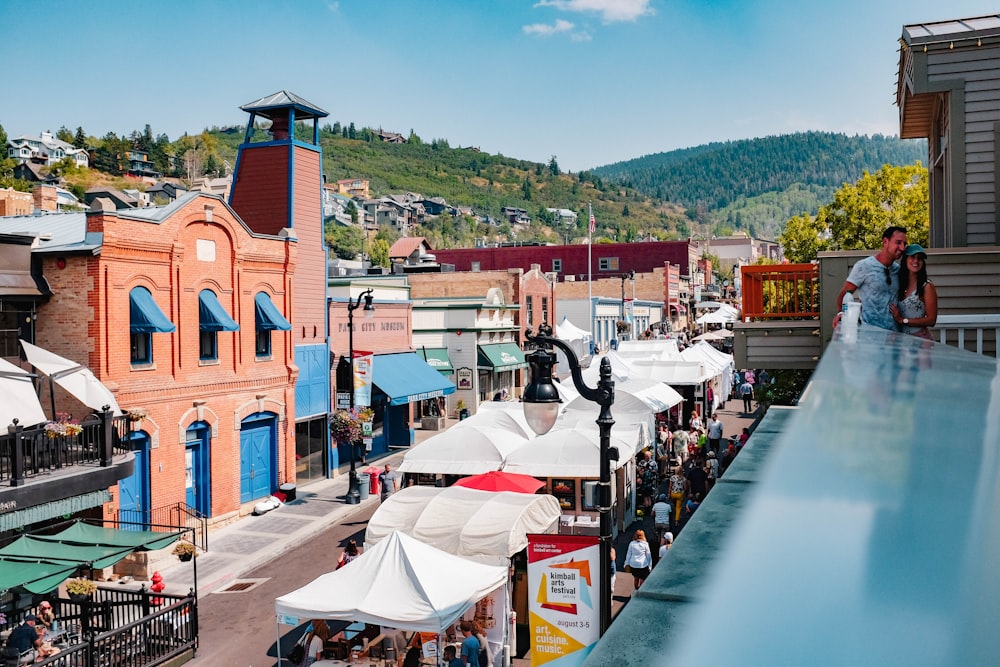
(45, 198)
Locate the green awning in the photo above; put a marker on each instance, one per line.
(30, 547)
(501, 357)
(437, 358)
(82, 533)
(52, 510)
(33, 576)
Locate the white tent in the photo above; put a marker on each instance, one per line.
(722, 315)
(469, 450)
(576, 338)
(673, 372)
(484, 526)
(17, 397)
(567, 452)
(401, 583)
(657, 348)
(503, 415)
(71, 376)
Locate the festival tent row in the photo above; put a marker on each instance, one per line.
(576, 338)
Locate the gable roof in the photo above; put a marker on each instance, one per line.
(406, 246)
(282, 100)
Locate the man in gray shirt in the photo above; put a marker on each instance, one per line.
(875, 282)
(389, 480)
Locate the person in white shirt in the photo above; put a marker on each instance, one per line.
(639, 558)
(665, 543)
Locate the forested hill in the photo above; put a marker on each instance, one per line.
(713, 176)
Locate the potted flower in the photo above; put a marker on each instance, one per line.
(137, 414)
(80, 589)
(463, 412)
(185, 551)
(64, 427)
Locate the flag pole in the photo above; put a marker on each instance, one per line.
(590, 270)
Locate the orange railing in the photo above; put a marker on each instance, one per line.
(781, 291)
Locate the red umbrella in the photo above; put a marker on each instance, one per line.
(498, 480)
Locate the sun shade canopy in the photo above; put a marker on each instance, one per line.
(268, 316)
(212, 316)
(146, 316)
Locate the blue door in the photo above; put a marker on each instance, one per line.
(133, 491)
(196, 479)
(256, 453)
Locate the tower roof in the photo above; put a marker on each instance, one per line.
(284, 100)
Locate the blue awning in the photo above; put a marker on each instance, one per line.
(212, 316)
(146, 316)
(269, 317)
(406, 378)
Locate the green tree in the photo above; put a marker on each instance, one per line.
(526, 189)
(3, 136)
(352, 133)
(804, 238)
(352, 210)
(413, 139)
(860, 212)
(553, 166)
(346, 242)
(64, 134)
(80, 138)
(625, 212)
(379, 252)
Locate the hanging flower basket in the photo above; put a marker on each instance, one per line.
(80, 590)
(184, 551)
(345, 425)
(136, 414)
(65, 427)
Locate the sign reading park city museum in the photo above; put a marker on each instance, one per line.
(564, 608)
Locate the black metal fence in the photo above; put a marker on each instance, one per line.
(125, 629)
(26, 453)
(177, 515)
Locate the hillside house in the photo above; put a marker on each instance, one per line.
(564, 216)
(45, 150)
(516, 216)
(353, 187)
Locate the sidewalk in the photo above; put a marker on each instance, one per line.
(252, 541)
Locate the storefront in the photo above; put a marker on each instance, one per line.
(498, 365)
(434, 408)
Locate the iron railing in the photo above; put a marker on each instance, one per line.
(175, 516)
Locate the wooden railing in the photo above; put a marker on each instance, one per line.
(780, 291)
(976, 333)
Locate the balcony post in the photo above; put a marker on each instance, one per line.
(105, 433)
(16, 453)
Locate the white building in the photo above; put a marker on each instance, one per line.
(46, 150)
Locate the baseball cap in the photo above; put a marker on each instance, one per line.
(30, 617)
(915, 249)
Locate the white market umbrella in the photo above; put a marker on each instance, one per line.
(709, 335)
(71, 376)
(400, 583)
(570, 452)
(469, 450)
(18, 399)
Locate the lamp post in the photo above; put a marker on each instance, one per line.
(353, 492)
(541, 407)
(625, 276)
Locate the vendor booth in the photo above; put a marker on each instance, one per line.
(399, 583)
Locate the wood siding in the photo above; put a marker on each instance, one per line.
(260, 188)
(309, 283)
(793, 344)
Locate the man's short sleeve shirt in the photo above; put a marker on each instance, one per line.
(875, 295)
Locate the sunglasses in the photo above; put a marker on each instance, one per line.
(888, 279)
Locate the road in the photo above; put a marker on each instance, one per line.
(239, 629)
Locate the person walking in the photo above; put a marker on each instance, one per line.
(677, 485)
(875, 282)
(388, 482)
(711, 471)
(916, 311)
(715, 433)
(639, 558)
(746, 393)
(350, 553)
(470, 645)
(661, 515)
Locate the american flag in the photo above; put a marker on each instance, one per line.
(593, 223)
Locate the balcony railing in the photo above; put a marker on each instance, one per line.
(781, 292)
(26, 453)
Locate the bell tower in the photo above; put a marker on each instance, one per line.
(278, 190)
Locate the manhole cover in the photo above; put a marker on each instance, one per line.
(241, 586)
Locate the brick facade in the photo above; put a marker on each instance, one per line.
(14, 202)
(200, 245)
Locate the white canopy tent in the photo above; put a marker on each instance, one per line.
(720, 364)
(674, 372)
(400, 583)
(469, 450)
(17, 396)
(485, 526)
(504, 415)
(567, 452)
(657, 348)
(576, 338)
(721, 315)
(76, 379)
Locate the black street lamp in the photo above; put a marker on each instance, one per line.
(625, 276)
(353, 492)
(541, 407)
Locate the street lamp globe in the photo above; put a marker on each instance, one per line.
(541, 398)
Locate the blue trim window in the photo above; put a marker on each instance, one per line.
(268, 318)
(212, 318)
(145, 319)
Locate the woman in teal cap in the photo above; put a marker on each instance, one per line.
(917, 309)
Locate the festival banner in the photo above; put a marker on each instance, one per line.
(363, 378)
(564, 598)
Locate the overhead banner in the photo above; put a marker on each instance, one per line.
(564, 597)
(362, 366)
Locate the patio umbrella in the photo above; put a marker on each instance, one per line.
(709, 335)
(71, 376)
(17, 396)
(498, 480)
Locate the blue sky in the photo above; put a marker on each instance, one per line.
(589, 81)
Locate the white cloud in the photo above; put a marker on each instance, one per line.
(582, 36)
(333, 6)
(611, 11)
(544, 29)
